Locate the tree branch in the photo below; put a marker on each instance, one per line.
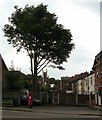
(41, 59)
(31, 60)
(43, 67)
(42, 64)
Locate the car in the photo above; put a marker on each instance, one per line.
(36, 102)
(24, 100)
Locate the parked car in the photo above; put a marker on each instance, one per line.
(24, 100)
(36, 102)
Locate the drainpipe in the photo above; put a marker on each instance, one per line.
(58, 97)
(76, 99)
(53, 98)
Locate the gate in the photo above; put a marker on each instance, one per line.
(44, 97)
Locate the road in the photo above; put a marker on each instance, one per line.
(53, 112)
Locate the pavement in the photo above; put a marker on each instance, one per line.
(27, 109)
(52, 112)
(21, 108)
(96, 107)
(55, 110)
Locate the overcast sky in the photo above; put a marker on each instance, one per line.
(81, 17)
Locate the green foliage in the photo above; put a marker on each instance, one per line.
(52, 80)
(34, 28)
(13, 81)
(17, 80)
(25, 84)
(45, 88)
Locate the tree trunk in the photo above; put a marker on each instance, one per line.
(35, 71)
(32, 71)
(34, 74)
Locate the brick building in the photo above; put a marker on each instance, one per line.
(69, 84)
(80, 84)
(97, 67)
(65, 84)
(45, 78)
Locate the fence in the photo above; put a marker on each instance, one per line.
(83, 99)
(54, 97)
(92, 99)
(67, 99)
(63, 98)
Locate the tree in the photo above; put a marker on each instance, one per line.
(52, 80)
(36, 30)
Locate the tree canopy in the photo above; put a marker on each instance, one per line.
(36, 30)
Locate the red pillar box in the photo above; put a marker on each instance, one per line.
(30, 100)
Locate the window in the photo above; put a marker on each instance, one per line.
(86, 83)
(91, 80)
(97, 75)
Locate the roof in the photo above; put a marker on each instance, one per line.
(99, 54)
(2, 62)
(64, 78)
(75, 78)
(17, 72)
(98, 59)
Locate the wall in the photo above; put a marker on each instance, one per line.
(12, 95)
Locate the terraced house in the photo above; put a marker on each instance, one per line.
(91, 83)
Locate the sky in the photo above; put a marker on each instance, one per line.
(82, 17)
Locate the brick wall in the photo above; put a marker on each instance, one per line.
(98, 75)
